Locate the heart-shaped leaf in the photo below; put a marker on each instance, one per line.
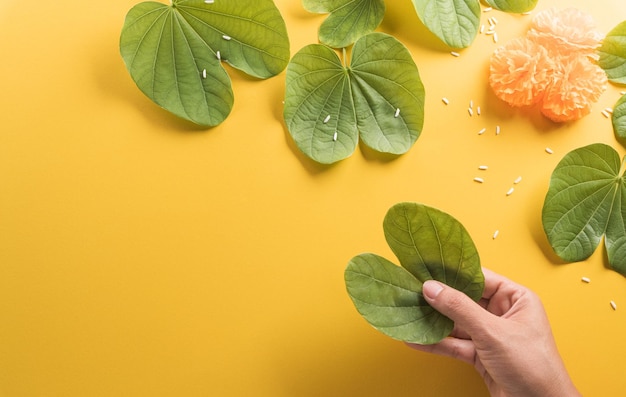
(348, 19)
(429, 244)
(586, 200)
(514, 6)
(619, 120)
(379, 94)
(173, 52)
(455, 22)
(613, 54)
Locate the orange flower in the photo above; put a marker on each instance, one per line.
(576, 85)
(520, 72)
(553, 65)
(565, 31)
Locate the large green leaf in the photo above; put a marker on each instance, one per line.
(613, 54)
(516, 6)
(455, 22)
(348, 19)
(429, 244)
(586, 200)
(379, 94)
(619, 120)
(171, 52)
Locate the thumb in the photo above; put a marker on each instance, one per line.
(454, 304)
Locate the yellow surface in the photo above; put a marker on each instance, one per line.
(143, 256)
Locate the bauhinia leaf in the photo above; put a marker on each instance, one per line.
(455, 22)
(586, 200)
(430, 244)
(348, 19)
(173, 52)
(514, 6)
(379, 94)
(388, 93)
(619, 120)
(613, 54)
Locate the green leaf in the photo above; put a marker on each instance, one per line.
(586, 200)
(317, 86)
(167, 49)
(385, 80)
(430, 244)
(619, 120)
(348, 19)
(325, 99)
(513, 6)
(455, 22)
(613, 54)
(391, 300)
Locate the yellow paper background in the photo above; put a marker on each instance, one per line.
(143, 256)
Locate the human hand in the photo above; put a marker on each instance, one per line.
(506, 336)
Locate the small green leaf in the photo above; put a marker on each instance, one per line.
(430, 244)
(613, 54)
(513, 6)
(385, 81)
(455, 22)
(585, 201)
(391, 300)
(380, 94)
(619, 120)
(171, 52)
(318, 105)
(348, 19)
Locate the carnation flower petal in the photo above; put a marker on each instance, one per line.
(565, 31)
(520, 72)
(577, 83)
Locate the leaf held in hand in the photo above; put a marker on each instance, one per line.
(613, 54)
(348, 19)
(429, 244)
(379, 95)
(173, 52)
(455, 22)
(585, 201)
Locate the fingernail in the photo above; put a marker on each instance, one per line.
(431, 289)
